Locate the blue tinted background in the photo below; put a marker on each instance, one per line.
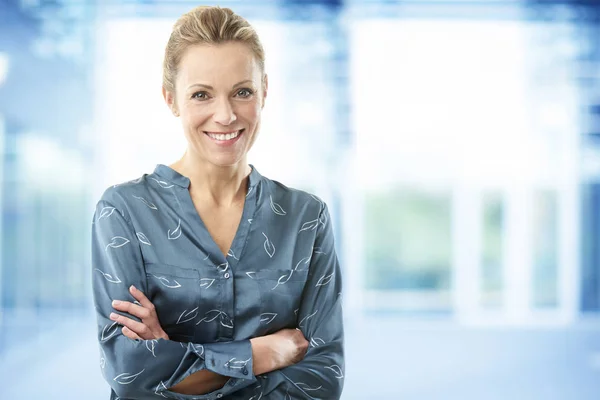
(457, 144)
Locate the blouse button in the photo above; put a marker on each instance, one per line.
(226, 275)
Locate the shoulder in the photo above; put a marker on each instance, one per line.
(122, 195)
(277, 192)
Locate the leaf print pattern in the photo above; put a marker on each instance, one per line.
(299, 267)
(310, 225)
(337, 371)
(106, 212)
(109, 331)
(303, 263)
(306, 318)
(223, 267)
(269, 246)
(226, 321)
(283, 279)
(267, 318)
(187, 316)
(176, 232)
(160, 388)
(210, 316)
(323, 219)
(163, 184)
(316, 342)
(256, 398)
(207, 282)
(167, 283)
(317, 250)
(116, 242)
(199, 350)
(109, 277)
(146, 202)
(277, 209)
(142, 238)
(151, 345)
(307, 388)
(126, 378)
(236, 364)
(250, 274)
(325, 280)
(230, 253)
(317, 199)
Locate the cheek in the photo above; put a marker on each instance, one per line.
(250, 110)
(194, 117)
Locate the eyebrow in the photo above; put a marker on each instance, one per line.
(211, 88)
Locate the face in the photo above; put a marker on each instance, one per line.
(219, 95)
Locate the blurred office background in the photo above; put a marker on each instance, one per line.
(456, 142)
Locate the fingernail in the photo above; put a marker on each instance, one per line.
(116, 302)
(113, 315)
(132, 288)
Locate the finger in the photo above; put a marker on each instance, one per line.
(130, 308)
(137, 327)
(130, 334)
(141, 297)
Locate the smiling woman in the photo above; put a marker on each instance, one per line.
(207, 275)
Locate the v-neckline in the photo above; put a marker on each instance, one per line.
(212, 249)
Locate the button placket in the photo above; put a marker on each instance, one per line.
(227, 310)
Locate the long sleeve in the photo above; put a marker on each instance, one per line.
(141, 369)
(321, 374)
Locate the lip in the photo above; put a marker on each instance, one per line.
(225, 142)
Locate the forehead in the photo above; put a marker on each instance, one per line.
(217, 65)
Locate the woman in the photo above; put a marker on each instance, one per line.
(209, 279)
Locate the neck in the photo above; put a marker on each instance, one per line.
(215, 185)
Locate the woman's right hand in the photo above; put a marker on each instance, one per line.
(149, 328)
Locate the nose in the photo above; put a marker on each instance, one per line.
(224, 113)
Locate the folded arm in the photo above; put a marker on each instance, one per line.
(321, 373)
(141, 368)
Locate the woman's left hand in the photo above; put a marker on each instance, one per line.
(149, 328)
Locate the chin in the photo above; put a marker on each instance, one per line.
(226, 161)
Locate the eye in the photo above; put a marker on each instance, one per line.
(200, 96)
(244, 93)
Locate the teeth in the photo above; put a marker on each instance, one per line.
(223, 137)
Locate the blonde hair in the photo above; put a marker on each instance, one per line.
(207, 25)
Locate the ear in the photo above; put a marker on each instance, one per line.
(170, 100)
(265, 89)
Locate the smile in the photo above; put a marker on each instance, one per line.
(224, 136)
